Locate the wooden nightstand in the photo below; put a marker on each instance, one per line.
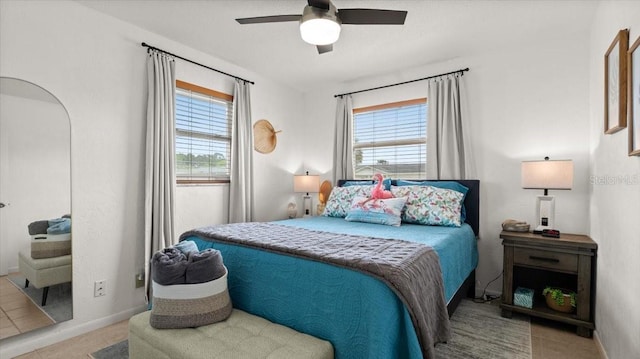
(533, 261)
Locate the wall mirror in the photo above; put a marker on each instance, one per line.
(35, 209)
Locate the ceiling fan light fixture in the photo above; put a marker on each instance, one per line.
(319, 31)
(319, 26)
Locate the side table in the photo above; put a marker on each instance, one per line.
(534, 261)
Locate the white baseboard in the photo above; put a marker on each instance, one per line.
(28, 342)
(10, 270)
(596, 339)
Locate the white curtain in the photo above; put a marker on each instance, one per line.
(160, 176)
(241, 187)
(448, 143)
(343, 146)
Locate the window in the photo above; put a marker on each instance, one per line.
(203, 134)
(391, 139)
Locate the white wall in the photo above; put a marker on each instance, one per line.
(95, 65)
(615, 197)
(36, 170)
(526, 101)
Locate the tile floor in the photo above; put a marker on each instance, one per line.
(549, 340)
(18, 314)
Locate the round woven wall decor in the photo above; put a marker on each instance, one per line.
(264, 137)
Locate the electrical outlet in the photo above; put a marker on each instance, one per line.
(100, 288)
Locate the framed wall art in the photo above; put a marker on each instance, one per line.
(615, 83)
(633, 80)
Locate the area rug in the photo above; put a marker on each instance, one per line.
(116, 351)
(59, 300)
(478, 332)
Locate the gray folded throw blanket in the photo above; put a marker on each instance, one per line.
(204, 266)
(169, 266)
(38, 227)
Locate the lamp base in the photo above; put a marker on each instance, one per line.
(545, 213)
(306, 211)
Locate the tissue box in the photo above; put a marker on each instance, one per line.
(523, 297)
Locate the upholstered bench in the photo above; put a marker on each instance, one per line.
(45, 272)
(241, 336)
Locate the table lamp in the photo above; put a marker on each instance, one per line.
(546, 175)
(305, 184)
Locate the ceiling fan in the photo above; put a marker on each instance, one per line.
(320, 21)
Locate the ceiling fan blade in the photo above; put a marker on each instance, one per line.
(324, 48)
(265, 19)
(371, 17)
(320, 4)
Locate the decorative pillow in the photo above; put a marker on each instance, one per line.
(340, 199)
(430, 205)
(453, 185)
(386, 183)
(379, 211)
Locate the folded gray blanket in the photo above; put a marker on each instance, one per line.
(38, 227)
(169, 266)
(204, 266)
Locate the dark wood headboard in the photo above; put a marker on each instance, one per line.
(471, 201)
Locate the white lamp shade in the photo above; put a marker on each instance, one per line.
(320, 31)
(306, 183)
(547, 174)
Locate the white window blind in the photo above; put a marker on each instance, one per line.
(391, 139)
(203, 134)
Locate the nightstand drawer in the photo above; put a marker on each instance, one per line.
(546, 259)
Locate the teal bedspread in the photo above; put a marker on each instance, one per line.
(456, 247)
(358, 314)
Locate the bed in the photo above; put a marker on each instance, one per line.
(361, 315)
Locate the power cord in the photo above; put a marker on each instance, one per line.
(487, 298)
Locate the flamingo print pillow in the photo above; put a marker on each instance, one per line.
(378, 211)
(430, 205)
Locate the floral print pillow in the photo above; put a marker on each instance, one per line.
(430, 205)
(378, 211)
(340, 199)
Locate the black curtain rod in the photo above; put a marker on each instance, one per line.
(402, 83)
(195, 63)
